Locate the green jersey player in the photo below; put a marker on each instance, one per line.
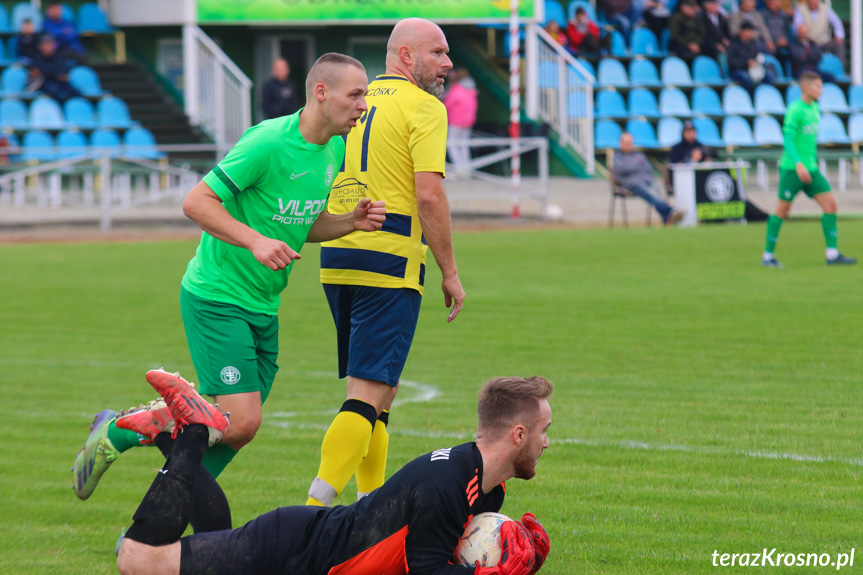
(257, 208)
(798, 170)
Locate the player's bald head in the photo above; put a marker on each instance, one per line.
(413, 33)
(328, 70)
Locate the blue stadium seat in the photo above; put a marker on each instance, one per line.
(855, 128)
(553, 11)
(618, 44)
(642, 102)
(71, 143)
(92, 19)
(13, 81)
(664, 39)
(735, 100)
(645, 43)
(706, 101)
(25, 11)
(675, 72)
(832, 130)
(587, 66)
(38, 146)
(86, 81)
(46, 114)
(6, 57)
(670, 132)
(855, 98)
(642, 72)
(140, 143)
(643, 134)
(610, 104)
(606, 134)
(673, 102)
(792, 94)
(833, 65)
(611, 73)
(574, 4)
(706, 71)
(5, 25)
(708, 133)
(577, 104)
(79, 113)
(767, 131)
(549, 78)
(781, 76)
(768, 100)
(67, 13)
(103, 140)
(13, 143)
(13, 114)
(833, 99)
(113, 113)
(737, 132)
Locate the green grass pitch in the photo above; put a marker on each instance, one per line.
(702, 403)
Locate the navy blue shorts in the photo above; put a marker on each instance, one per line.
(274, 543)
(375, 328)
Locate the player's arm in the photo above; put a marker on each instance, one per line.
(368, 216)
(433, 209)
(790, 129)
(203, 206)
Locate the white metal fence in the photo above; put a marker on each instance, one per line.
(559, 91)
(217, 93)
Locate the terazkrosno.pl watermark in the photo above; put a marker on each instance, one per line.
(775, 558)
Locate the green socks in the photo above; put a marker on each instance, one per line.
(123, 439)
(828, 224)
(774, 223)
(217, 458)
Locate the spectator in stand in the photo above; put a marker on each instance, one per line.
(748, 13)
(778, 23)
(689, 149)
(64, 32)
(461, 105)
(28, 43)
(53, 69)
(728, 7)
(687, 30)
(805, 55)
(279, 96)
(553, 29)
(584, 35)
(656, 15)
(746, 60)
(621, 14)
(632, 171)
(820, 19)
(716, 37)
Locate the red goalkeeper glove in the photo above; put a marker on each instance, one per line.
(517, 552)
(541, 542)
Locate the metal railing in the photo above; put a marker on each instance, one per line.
(559, 91)
(217, 93)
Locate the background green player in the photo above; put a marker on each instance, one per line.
(798, 170)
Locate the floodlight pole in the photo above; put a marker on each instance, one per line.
(856, 42)
(514, 106)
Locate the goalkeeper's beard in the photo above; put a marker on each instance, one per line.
(524, 463)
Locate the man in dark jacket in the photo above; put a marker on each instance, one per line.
(280, 94)
(716, 37)
(688, 149)
(687, 31)
(28, 43)
(54, 70)
(746, 61)
(805, 55)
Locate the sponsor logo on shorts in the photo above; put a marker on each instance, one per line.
(787, 193)
(230, 375)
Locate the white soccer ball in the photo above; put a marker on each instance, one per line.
(481, 540)
(553, 213)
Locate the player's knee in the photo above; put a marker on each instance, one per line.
(129, 561)
(242, 431)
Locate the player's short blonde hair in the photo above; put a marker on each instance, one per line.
(507, 401)
(327, 69)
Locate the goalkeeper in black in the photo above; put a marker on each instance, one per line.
(409, 525)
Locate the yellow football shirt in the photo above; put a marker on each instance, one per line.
(403, 132)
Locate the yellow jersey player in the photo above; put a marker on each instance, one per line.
(374, 284)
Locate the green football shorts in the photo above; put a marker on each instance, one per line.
(234, 350)
(790, 184)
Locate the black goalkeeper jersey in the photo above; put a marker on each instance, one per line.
(411, 524)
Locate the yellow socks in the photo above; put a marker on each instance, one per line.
(372, 471)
